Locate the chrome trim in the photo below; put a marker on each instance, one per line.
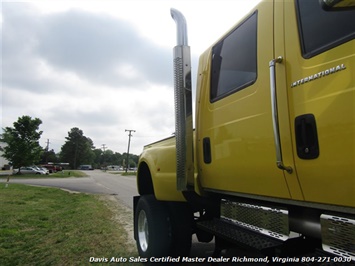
(181, 27)
(142, 231)
(303, 204)
(183, 105)
(275, 118)
(338, 235)
(319, 75)
(269, 221)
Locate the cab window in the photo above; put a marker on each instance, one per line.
(322, 30)
(234, 60)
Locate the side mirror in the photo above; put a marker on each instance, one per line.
(337, 5)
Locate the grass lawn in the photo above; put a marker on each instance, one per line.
(69, 173)
(62, 174)
(47, 226)
(124, 173)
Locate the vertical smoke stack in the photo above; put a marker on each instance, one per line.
(183, 105)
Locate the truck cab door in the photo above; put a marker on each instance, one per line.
(320, 65)
(235, 140)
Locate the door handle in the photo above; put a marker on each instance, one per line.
(306, 137)
(275, 117)
(207, 158)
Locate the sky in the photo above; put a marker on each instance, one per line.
(102, 66)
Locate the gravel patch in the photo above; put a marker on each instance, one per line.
(123, 215)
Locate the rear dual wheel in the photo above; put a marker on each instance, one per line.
(162, 228)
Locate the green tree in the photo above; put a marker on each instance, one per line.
(49, 156)
(116, 159)
(78, 149)
(107, 157)
(132, 160)
(97, 158)
(22, 141)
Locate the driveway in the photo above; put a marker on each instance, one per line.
(97, 182)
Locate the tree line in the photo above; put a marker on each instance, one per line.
(23, 148)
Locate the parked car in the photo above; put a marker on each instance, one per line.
(29, 170)
(52, 168)
(85, 167)
(45, 170)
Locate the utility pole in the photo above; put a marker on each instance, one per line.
(103, 156)
(47, 149)
(104, 147)
(129, 143)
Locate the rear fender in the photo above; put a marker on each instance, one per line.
(157, 176)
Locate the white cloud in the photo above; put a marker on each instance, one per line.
(101, 66)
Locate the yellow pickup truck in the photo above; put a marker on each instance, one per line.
(270, 165)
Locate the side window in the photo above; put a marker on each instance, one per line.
(322, 30)
(234, 64)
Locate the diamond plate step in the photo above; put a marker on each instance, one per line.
(239, 235)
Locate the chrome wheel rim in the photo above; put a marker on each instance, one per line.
(143, 233)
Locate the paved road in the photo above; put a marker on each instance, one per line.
(98, 182)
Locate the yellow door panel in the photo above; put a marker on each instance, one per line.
(235, 135)
(321, 91)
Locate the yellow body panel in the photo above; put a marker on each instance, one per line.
(330, 178)
(239, 126)
(161, 159)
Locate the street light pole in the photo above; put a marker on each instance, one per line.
(129, 143)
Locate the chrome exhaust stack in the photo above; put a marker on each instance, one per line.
(183, 105)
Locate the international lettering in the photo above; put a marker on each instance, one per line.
(318, 75)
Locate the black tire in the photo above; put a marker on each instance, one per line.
(181, 219)
(153, 230)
